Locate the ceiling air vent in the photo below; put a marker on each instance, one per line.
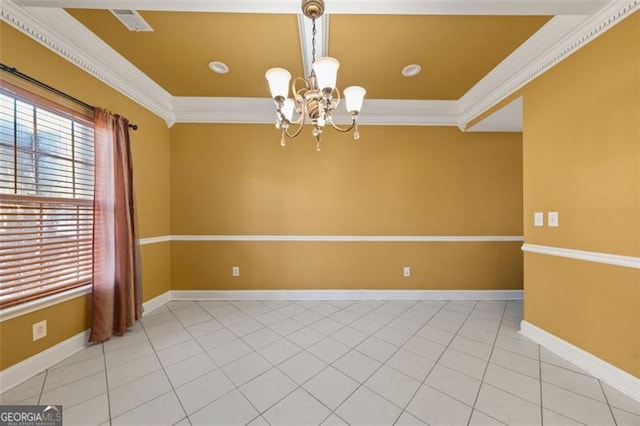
(131, 19)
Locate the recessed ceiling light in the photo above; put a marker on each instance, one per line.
(218, 67)
(411, 70)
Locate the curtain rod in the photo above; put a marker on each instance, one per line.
(42, 85)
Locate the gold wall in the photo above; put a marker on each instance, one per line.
(582, 158)
(394, 181)
(150, 148)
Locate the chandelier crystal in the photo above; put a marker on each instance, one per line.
(315, 97)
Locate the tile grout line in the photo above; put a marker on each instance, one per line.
(144, 329)
(235, 387)
(504, 349)
(378, 308)
(421, 383)
(393, 316)
(44, 381)
(352, 349)
(361, 384)
(540, 380)
(576, 393)
(329, 364)
(106, 379)
(462, 373)
(64, 384)
(567, 416)
(486, 367)
(615, 421)
(284, 336)
(260, 413)
(404, 409)
(541, 398)
(300, 386)
(517, 372)
(68, 384)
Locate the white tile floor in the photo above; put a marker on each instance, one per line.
(329, 363)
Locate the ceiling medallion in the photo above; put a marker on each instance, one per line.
(315, 97)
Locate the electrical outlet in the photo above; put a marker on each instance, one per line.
(235, 271)
(406, 271)
(552, 219)
(39, 330)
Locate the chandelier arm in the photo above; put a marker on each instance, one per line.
(297, 91)
(335, 98)
(300, 124)
(340, 129)
(298, 121)
(299, 101)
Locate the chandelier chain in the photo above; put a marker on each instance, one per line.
(313, 40)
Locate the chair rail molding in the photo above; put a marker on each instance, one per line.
(588, 256)
(339, 238)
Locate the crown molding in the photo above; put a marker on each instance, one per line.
(188, 109)
(559, 38)
(506, 119)
(398, 7)
(262, 111)
(60, 32)
(390, 112)
(498, 84)
(554, 42)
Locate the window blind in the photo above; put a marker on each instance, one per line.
(46, 198)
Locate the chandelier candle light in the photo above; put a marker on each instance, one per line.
(315, 97)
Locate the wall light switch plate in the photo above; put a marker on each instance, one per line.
(552, 219)
(538, 219)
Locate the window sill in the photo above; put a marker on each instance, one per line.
(36, 305)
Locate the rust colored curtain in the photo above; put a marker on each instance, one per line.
(117, 303)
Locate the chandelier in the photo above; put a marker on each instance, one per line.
(315, 97)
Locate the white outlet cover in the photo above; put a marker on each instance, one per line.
(235, 271)
(406, 271)
(538, 219)
(552, 219)
(39, 330)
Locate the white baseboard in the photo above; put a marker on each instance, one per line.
(346, 295)
(610, 374)
(31, 366)
(26, 369)
(155, 303)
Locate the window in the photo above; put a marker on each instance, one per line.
(46, 198)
